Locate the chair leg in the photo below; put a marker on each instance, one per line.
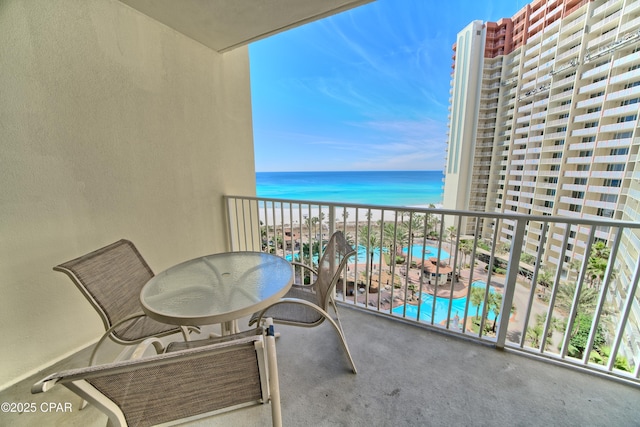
(338, 326)
(343, 340)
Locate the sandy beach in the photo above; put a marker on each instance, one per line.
(286, 214)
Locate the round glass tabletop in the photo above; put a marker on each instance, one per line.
(216, 288)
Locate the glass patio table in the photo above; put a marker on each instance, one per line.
(217, 288)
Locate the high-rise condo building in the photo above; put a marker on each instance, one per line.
(544, 121)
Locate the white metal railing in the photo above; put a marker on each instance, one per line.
(417, 264)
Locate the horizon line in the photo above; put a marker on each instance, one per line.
(389, 170)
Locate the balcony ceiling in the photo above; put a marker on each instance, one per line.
(223, 25)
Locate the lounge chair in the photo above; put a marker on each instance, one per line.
(191, 380)
(307, 305)
(111, 279)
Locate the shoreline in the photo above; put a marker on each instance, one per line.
(354, 215)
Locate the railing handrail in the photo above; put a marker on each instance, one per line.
(291, 227)
(444, 211)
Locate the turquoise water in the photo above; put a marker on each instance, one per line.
(361, 257)
(391, 188)
(442, 307)
(429, 252)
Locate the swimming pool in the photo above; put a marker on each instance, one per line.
(429, 252)
(361, 257)
(442, 307)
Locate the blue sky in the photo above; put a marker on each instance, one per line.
(367, 89)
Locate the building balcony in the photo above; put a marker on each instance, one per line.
(574, 37)
(582, 146)
(627, 77)
(602, 69)
(407, 376)
(619, 127)
(254, 209)
(590, 102)
(608, 6)
(606, 22)
(593, 87)
(135, 165)
(403, 348)
(621, 111)
(621, 158)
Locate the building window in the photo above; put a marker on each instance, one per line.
(629, 101)
(609, 198)
(607, 213)
(585, 153)
(619, 151)
(616, 167)
(577, 194)
(612, 183)
(575, 208)
(622, 135)
(580, 181)
(631, 118)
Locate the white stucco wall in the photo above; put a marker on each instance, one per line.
(111, 126)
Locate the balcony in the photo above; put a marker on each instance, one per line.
(352, 219)
(150, 161)
(440, 378)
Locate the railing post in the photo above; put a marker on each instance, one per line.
(513, 269)
(332, 219)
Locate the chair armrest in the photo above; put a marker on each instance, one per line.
(305, 266)
(144, 345)
(43, 385)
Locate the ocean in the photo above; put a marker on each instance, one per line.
(391, 188)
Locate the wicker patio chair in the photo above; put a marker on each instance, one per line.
(212, 376)
(307, 305)
(111, 279)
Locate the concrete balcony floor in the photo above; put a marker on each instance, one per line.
(407, 376)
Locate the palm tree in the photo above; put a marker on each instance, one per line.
(402, 237)
(545, 279)
(369, 239)
(494, 302)
(451, 230)
(597, 263)
(574, 266)
(535, 333)
(417, 224)
(466, 247)
(587, 304)
(345, 214)
(587, 301)
(477, 297)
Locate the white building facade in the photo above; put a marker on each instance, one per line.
(555, 100)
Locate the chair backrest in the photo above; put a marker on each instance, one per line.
(178, 385)
(111, 279)
(330, 267)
